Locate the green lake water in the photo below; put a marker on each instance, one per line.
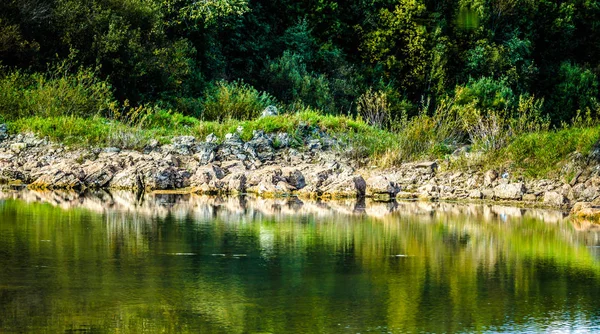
(120, 263)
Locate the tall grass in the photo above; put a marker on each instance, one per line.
(54, 94)
(236, 100)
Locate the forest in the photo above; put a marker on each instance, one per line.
(442, 72)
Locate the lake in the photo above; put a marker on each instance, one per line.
(122, 262)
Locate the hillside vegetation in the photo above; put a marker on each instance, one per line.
(513, 83)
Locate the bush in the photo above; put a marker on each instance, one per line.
(235, 100)
(292, 82)
(374, 108)
(57, 94)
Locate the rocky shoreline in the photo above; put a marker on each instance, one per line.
(268, 166)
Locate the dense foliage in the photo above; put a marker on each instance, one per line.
(322, 53)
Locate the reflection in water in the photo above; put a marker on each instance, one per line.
(115, 262)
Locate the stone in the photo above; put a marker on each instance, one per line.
(343, 186)
(260, 147)
(283, 140)
(380, 185)
(270, 111)
(128, 179)
(206, 153)
(510, 191)
(576, 192)
(18, 147)
(475, 194)
(237, 183)
(554, 199)
(112, 150)
(489, 177)
(529, 198)
(589, 194)
(3, 132)
(212, 139)
(488, 194)
(428, 166)
(98, 175)
(59, 178)
(9, 175)
(296, 179)
(586, 210)
(183, 144)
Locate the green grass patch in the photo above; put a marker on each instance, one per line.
(540, 154)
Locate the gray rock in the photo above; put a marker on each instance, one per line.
(260, 147)
(211, 139)
(510, 191)
(381, 186)
(529, 198)
(489, 177)
(283, 140)
(487, 193)
(270, 111)
(589, 194)
(428, 166)
(475, 194)
(18, 147)
(205, 152)
(112, 150)
(98, 175)
(183, 145)
(296, 179)
(555, 199)
(8, 175)
(237, 183)
(345, 186)
(128, 179)
(3, 132)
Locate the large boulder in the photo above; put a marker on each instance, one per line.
(510, 191)
(489, 177)
(344, 186)
(270, 111)
(260, 147)
(127, 179)
(380, 186)
(9, 175)
(183, 145)
(61, 176)
(98, 175)
(553, 198)
(296, 179)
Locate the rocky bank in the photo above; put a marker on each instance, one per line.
(268, 166)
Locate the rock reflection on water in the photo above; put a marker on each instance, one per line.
(183, 263)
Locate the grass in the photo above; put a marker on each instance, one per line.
(541, 154)
(79, 110)
(98, 131)
(536, 154)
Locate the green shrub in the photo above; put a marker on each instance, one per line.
(292, 82)
(374, 108)
(56, 94)
(235, 100)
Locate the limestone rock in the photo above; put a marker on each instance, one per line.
(555, 199)
(489, 177)
(510, 191)
(475, 194)
(270, 111)
(381, 186)
(345, 186)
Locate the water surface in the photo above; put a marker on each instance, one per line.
(123, 263)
